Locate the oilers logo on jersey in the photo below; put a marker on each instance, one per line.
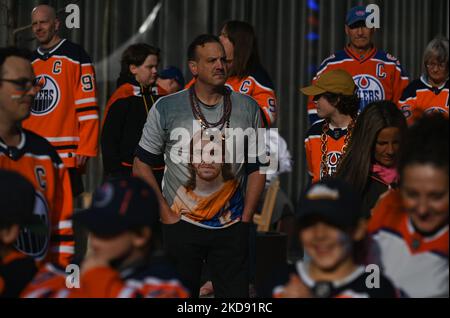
(47, 98)
(30, 242)
(333, 158)
(370, 89)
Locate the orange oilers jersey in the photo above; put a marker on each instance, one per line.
(37, 161)
(259, 86)
(313, 149)
(65, 110)
(105, 282)
(49, 282)
(378, 76)
(415, 263)
(420, 97)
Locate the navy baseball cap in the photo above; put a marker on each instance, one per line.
(172, 72)
(333, 201)
(356, 14)
(17, 201)
(120, 205)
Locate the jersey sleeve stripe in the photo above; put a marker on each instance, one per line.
(63, 139)
(87, 117)
(64, 225)
(86, 101)
(40, 157)
(66, 155)
(63, 249)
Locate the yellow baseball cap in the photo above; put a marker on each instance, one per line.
(335, 81)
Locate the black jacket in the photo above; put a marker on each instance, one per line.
(125, 116)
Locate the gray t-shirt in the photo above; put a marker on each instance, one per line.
(211, 195)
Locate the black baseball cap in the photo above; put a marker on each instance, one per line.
(172, 72)
(17, 199)
(333, 201)
(120, 205)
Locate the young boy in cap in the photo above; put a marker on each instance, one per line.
(331, 224)
(337, 105)
(17, 197)
(119, 263)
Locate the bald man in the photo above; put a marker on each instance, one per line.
(45, 26)
(65, 110)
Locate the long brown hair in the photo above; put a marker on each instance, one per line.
(355, 165)
(226, 169)
(246, 57)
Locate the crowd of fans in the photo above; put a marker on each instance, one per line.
(377, 155)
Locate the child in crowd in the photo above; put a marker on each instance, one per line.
(327, 139)
(17, 197)
(119, 262)
(331, 225)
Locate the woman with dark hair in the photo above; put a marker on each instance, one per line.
(409, 225)
(127, 109)
(246, 74)
(429, 93)
(369, 164)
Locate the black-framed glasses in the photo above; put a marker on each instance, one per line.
(23, 84)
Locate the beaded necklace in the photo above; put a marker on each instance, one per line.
(324, 150)
(198, 114)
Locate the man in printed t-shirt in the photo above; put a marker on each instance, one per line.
(206, 204)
